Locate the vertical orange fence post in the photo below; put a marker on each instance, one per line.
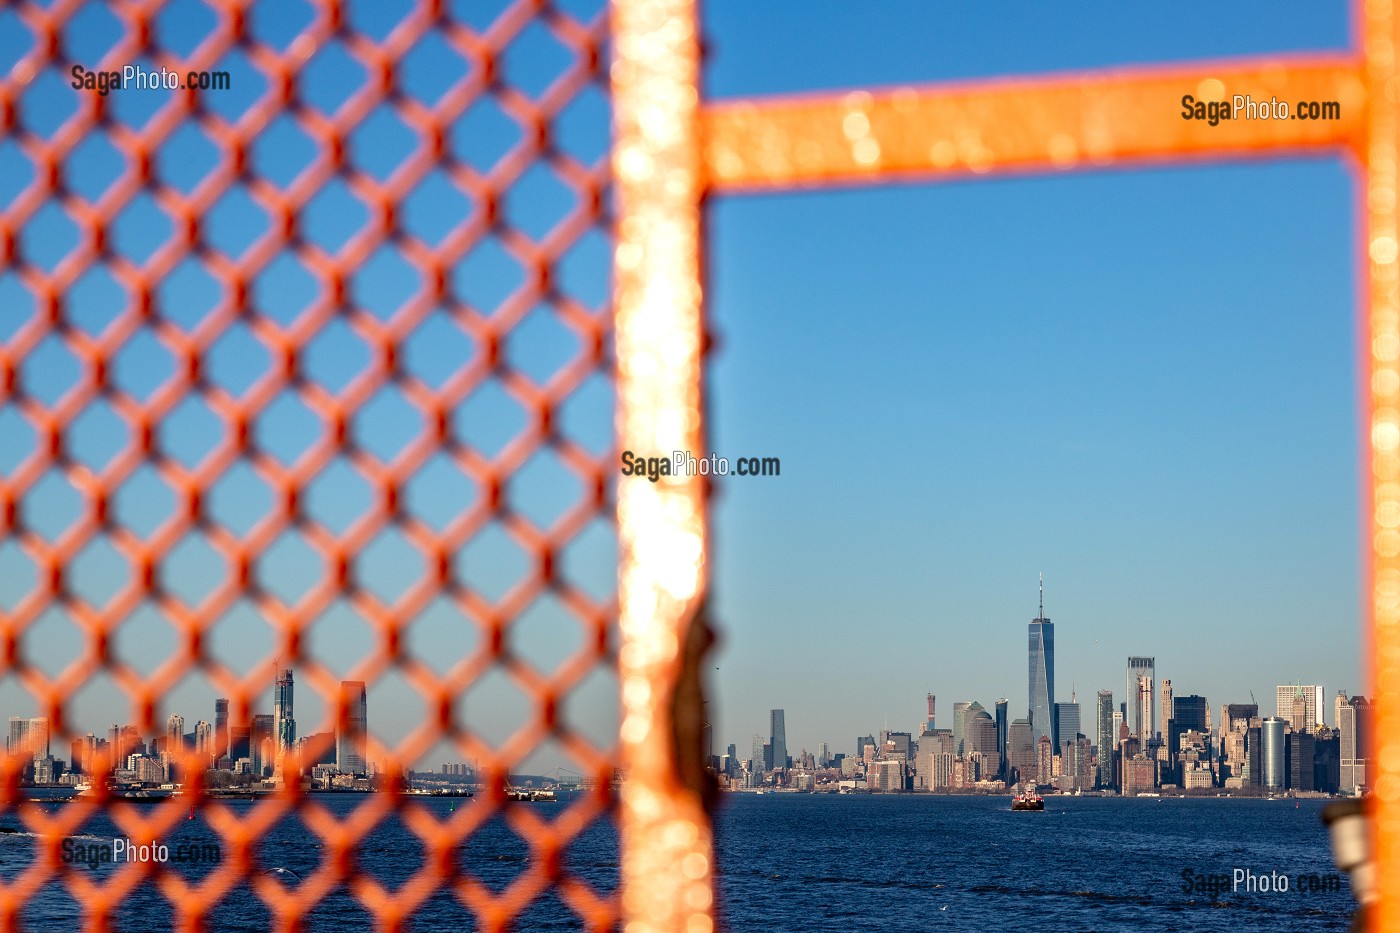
(1381, 360)
(666, 855)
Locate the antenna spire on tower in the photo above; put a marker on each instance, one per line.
(1042, 595)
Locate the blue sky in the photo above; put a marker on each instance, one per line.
(1140, 383)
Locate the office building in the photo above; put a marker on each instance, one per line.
(352, 729)
(1301, 761)
(777, 737)
(959, 730)
(1067, 723)
(1272, 753)
(1106, 737)
(262, 745)
(1140, 716)
(17, 742)
(1166, 706)
(204, 739)
(1041, 679)
(1313, 705)
(284, 724)
(1352, 715)
(861, 742)
(221, 737)
(757, 762)
(929, 723)
(39, 737)
(1002, 723)
(1021, 751)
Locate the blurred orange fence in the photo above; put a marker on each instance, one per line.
(669, 150)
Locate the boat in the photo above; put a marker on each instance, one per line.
(1028, 800)
(526, 795)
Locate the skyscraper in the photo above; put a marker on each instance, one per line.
(261, 746)
(1353, 725)
(204, 739)
(1166, 706)
(928, 724)
(1272, 753)
(1142, 709)
(1140, 667)
(757, 764)
(959, 727)
(1041, 679)
(1002, 723)
(1313, 704)
(1067, 723)
(39, 737)
(284, 724)
(777, 737)
(17, 743)
(1107, 740)
(220, 729)
(350, 731)
(1021, 750)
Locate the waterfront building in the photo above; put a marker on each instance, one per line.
(1272, 752)
(1327, 762)
(1139, 773)
(1041, 677)
(1352, 718)
(1140, 720)
(777, 733)
(351, 729)
(1105, 733)
(886, 776)
(1301, 770)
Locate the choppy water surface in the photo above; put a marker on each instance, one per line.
(821, 862)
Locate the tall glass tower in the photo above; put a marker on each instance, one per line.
(1108, 737)
(284, 722)
(350, 734)
(1042, 674)
(778, 739)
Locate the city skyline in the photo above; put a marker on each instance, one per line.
(1158, 697)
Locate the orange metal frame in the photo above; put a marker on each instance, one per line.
(671, 150)
(1086, 121)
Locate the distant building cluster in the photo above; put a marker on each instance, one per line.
(258, 751)
(1151, 740)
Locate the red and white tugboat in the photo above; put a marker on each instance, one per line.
(1028, 800)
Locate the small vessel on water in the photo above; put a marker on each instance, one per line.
(1028, 800)
(527, 795)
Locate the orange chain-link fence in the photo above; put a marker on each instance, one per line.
(434, 207)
